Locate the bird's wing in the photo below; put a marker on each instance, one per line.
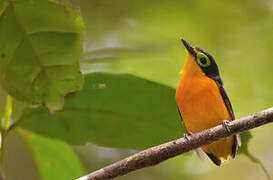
(180, 114)
(237, 139)
(227, 101)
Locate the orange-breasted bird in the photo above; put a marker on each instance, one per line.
(203, 102)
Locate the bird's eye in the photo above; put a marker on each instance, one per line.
(203, 60)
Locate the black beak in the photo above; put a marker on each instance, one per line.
(189, 47)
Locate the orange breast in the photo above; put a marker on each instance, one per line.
(202, 107)
(201, 104)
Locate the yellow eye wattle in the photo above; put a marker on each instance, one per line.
(202, 60)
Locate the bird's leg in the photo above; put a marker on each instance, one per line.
(225, 124)
(200, 153)
(187, 136)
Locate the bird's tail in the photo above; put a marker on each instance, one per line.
(222, 149)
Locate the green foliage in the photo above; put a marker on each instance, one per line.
(40, 47)
(6, 117)
(131, 62)
(52, 159)
(117, 110)
(145, 42)
(245, 138)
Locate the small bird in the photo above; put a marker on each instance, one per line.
(203, 102)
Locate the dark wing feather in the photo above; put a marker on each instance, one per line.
(227, 101)
(230, 110)
(180, 114)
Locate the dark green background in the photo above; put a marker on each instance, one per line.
(131, 60)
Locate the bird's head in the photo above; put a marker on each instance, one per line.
(200, 63)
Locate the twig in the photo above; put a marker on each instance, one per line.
(158, 154)
(256, 160)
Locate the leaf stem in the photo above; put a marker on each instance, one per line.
(5, 123)
(7, 115)
(256, 160)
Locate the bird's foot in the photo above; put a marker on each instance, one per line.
(187, 136)
(225, 123)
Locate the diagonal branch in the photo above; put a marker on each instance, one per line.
(158, 154)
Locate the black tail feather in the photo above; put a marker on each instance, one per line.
(234, 147)
(214, 159)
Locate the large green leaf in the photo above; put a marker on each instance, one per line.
(112, 110)
(34, 156)
(40, 45)
(117, 110)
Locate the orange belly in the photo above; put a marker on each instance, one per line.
(202, 107)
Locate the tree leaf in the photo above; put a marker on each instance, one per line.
(117, 110)
(18, 156)
(35, 156)
(245, 138)
(40, 46)
(3, 6)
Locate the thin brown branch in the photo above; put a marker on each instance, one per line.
(158, 154)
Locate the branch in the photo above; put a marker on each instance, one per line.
(160, 153)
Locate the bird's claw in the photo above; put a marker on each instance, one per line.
(187, 136)
(225, 123)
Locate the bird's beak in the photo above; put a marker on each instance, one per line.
(189, 47)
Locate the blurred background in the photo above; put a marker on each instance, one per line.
(143, 38)
(138, 43)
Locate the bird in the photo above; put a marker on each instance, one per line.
(203, 102)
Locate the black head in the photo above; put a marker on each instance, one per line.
(205, 61)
